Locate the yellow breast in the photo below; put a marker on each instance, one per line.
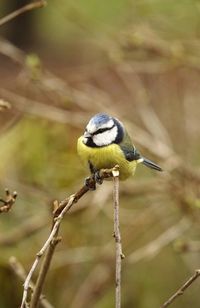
(106, 157)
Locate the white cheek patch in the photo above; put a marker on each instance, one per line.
(106, 137)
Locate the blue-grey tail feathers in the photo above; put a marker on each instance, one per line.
(151, 164)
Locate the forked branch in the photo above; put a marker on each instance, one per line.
(8, 201)
(60, 209)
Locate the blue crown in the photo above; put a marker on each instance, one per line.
(100, 118)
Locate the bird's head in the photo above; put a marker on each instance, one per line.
(103, 130)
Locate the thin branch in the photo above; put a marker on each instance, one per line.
(59, 211)
(43, 272)
(70, 202)
(180, 291)
(8, 202)
(117, 236)
(25, 8)
(19, 270)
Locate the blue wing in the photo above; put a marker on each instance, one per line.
(133, 154)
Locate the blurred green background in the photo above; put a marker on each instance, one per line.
(139, 61)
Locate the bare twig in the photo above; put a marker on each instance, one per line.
(8, 202)
(19, 270)
(43, 272)
(180, 291)
(25, 8)
(54, 231)
(60, 210)
(117, 236)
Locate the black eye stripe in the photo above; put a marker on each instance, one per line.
(102, 130)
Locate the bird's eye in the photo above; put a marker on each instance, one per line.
(101, 130)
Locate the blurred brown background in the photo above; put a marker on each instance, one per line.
(139, 61)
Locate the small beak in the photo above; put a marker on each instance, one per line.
(86, 135)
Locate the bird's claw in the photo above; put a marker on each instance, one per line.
(90, 183)
(97, 177)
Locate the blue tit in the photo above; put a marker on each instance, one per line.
(106, 143)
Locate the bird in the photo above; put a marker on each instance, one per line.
(106, 143)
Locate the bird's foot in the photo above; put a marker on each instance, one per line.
(97, 177)
(90, 183)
